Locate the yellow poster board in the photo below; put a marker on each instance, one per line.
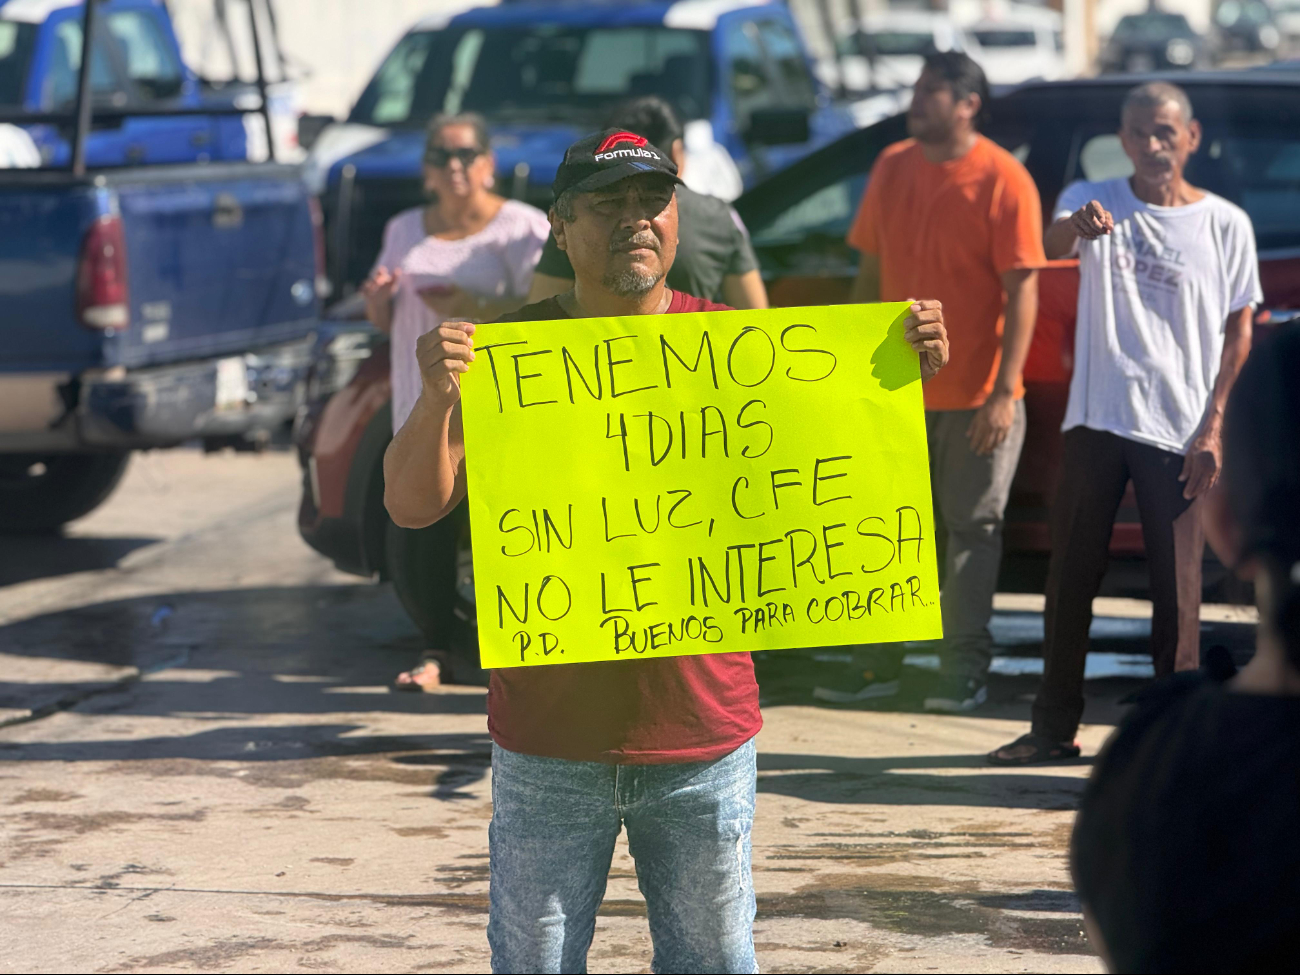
(665, 485)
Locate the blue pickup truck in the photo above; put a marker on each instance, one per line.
(136, 64)
(141, 306)
(544, 72)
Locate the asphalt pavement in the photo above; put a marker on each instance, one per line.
(202, 769)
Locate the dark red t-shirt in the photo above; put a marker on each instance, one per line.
(636, 712)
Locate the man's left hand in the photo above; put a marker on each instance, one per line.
(992, 423)
(925, 332)
(1204, 461)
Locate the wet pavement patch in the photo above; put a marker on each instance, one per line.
(226, 953)
(935, 913)
(1046, 901)
(1039, 790)
(425, 832)
(457, 875)
(92, 822)
(38, 834)
(43, 795)
(907, 905)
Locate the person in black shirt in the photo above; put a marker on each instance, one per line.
(714, 258)
(1186, 851)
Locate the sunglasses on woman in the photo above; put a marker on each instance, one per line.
(439, 157)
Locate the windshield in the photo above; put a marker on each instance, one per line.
(149, 59)
(17, 42)
(1153, 27)
(1005, 37)
(537, 73)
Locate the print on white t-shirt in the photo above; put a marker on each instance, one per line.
(1154, 296)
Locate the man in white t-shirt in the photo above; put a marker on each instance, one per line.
(1168, 278)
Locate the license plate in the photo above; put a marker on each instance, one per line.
(232, 384)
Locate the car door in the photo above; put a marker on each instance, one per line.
(764, 69)
(747, 86)
(797, 91)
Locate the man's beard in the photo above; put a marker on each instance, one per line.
(930, 131)
(631, 282)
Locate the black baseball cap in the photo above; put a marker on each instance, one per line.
(607, 157)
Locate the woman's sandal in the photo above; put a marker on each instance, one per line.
(414, 686)
(1042, 749)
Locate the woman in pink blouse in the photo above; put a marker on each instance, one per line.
(468, 254)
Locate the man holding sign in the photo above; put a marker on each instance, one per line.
(663, 744)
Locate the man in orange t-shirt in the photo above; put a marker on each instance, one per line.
(949, 214)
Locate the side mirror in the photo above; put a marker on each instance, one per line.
(311, 126)
(778, 126)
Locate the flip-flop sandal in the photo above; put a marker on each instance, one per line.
(413, 686)
(1044, 750)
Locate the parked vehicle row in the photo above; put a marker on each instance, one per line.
(1020, 43)
(1154, 41)
(1159, 40)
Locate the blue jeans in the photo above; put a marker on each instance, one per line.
(554, 823)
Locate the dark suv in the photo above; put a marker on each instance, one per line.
(1154, 42)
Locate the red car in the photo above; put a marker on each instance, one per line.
(1061, 131)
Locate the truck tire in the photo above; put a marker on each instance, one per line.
(40, 492)
(431, 576)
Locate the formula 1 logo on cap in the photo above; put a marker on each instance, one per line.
(617, 137)
(606, 151)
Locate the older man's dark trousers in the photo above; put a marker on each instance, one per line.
(1095, 470)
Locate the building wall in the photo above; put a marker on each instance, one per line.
(332, 46)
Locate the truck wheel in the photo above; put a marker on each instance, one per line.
(430, 569)
(40, 492)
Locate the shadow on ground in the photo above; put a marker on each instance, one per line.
(266, 661)
(900, 780)
(274, 655)
(27, 557)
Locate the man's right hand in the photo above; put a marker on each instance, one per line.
(443, 354)
(1091, 221)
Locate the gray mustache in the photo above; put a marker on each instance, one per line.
(642, 239)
